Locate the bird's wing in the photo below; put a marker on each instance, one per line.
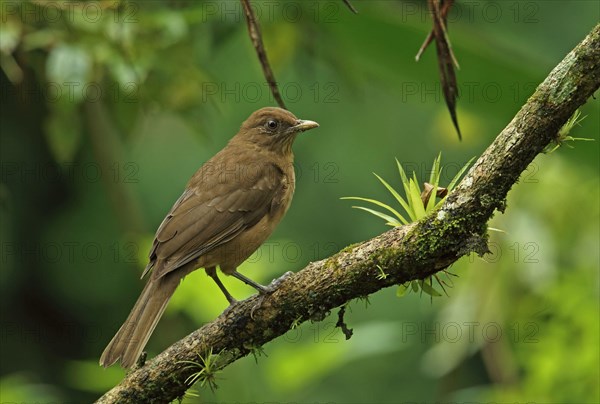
(210, 213)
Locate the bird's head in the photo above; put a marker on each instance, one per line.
(273, 128)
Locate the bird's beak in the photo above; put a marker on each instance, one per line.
(301, 125)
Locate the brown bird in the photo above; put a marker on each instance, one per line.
(229, 207)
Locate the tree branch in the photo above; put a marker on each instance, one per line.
(259, 47)
(403, 253)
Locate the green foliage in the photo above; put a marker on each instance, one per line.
(416, 208)
(382, 275)
(207, 370)
(563, 134)
(412, 202)
(257, 351)
(296, 323)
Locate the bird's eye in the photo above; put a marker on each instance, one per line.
(272, 124)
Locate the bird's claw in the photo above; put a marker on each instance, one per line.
(267, 290)
(275, 283)
(261, 299)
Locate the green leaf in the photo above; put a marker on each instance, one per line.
(402, 289)
(415, 200)
(381, 204)
(459, 174)
(434, 180)
(416, 181)
(414, 285)
(570, 124)
(405, 182)
(396, 195)
(498, 230)
(427, 288)
(381, 275)
(435, 169)
(389, 220)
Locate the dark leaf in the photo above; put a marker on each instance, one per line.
(350, 6)
(446, 59)
(428, 190)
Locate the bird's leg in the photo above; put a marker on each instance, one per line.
(250, 282)
(212, 272)
(263, 290)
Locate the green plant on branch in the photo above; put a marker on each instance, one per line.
(416, 204)
(563, 134)
(207, 370)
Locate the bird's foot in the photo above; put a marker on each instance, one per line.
(276, 283)
(267, 290)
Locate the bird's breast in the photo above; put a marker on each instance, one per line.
(283, 198)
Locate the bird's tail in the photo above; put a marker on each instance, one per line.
(130, 340)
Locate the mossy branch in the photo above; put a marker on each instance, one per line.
(404, 253)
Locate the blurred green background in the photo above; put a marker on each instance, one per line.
(109, 107)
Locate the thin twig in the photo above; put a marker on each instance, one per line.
(350, 6)
(446, 6)
(424, 46)
(256, 38)
(342, 324)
